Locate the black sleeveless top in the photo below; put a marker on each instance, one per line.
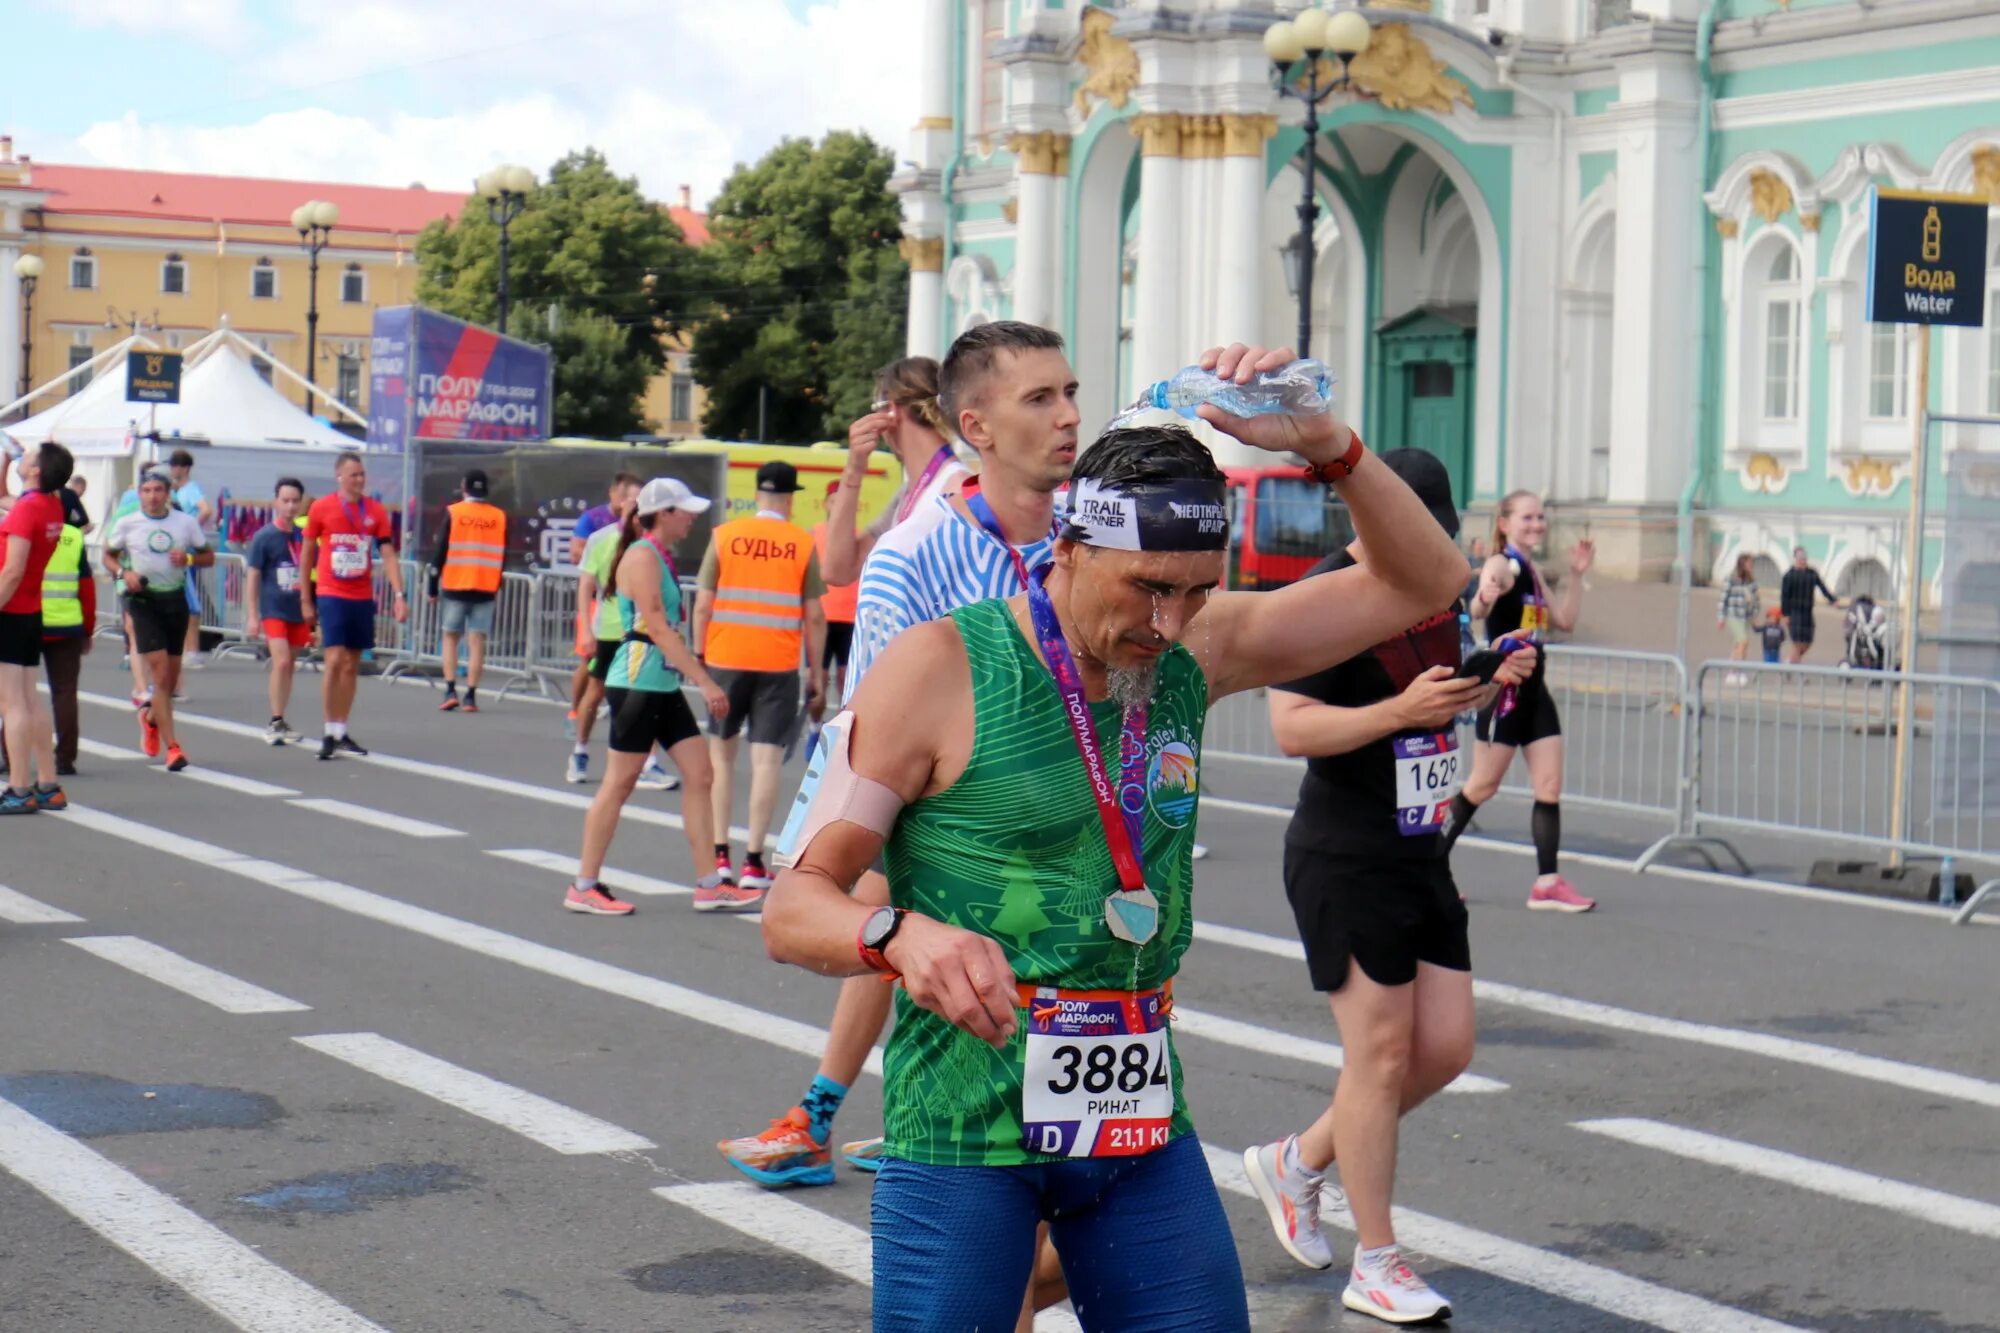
(1524, 610)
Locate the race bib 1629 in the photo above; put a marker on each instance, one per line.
(1429, 772)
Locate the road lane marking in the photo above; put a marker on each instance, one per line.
(1874, 1068)
(1270, 1041)
(361, 814)
(103, 751)
(1693, 875)
(22, 910)
(1839, 1182)
(222, 1273)
(1565, 1278)
(548, 1123)
(623, 881)
(737, 1019)
(230, 994)
(788, 1225)
(229, 782)
(634, 812)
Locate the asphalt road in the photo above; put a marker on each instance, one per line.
(410, 1093)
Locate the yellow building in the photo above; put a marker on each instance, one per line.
(180, 254)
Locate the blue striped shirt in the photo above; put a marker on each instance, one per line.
(927, 567)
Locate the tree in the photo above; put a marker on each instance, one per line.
(808, 290)
(595, 269)
(1020, 914)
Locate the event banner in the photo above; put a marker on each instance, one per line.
(545, 489)
(432, 377)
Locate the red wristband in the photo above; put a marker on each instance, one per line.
(1342, 467)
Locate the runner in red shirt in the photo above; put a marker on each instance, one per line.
(28, 537)
(341, 531)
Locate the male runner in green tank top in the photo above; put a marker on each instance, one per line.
(1033, 767)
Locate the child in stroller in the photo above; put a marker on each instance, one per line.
(1867, 630)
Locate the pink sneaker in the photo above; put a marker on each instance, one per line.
(1552, 893)
(712, 893)
(595, 902)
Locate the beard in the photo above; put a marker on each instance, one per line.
(1130, 687)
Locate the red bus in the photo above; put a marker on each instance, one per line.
(1280, 525)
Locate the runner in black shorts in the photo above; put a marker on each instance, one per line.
(1383, 925)
(1516, 604)
(839, 645)
(765, 703)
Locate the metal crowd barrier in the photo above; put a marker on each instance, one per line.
(1623, 738)
(225, 609)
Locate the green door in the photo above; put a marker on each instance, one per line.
(1426, 374)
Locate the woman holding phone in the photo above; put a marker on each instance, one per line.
(1383, 925)
(1516, 605)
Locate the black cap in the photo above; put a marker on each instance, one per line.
(778, 478)
(1424, 473)
(475, 484)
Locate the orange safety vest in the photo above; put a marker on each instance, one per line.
(842, 600)
(758, 619)
(478, 547)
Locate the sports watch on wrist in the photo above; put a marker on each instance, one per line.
(877, 930)
(1341, 468)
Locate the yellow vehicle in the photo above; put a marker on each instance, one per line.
(819, 466)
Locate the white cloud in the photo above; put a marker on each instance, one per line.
(675, 93)
(219, 23)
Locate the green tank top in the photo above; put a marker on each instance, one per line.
(1014, 850)
(639, 665)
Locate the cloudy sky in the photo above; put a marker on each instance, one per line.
(391, 92)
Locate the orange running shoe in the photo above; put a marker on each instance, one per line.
(784, 1154)
(176, 760)
(149, 735)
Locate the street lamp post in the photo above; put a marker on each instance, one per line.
(1314, 33)
(28, 268)
(505, 190)
(314, 221)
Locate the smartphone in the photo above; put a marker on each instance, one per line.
(1481, 666)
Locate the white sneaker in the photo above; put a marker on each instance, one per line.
(1292, 1208)
(654, 777)
(1200, 852)
(756, 877)
(274, 734)
(1391, 1291)
(197, 660)
(579, 768)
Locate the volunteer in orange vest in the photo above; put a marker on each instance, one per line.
(839, 603)
(466, 567)
(757, 612)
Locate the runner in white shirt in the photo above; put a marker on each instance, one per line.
(907, 418)
(150, 552)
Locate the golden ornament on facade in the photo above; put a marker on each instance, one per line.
(1986, 172)
(1244, 136)
(1042, 153)
(1159, 133)
(924, 254)
(934, 122)
(1727, 228)
(1763, 472)
(1810, 221)
(1398, 71)
(1770, 197)
(1414, 6)
(1201, 136)
(1011, 210)
(1866, 476)
(1112, 63)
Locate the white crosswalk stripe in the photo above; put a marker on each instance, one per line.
(229, 994)
(221, 1272)
(1269, 1041)
(807, 1232)
(1839, 1182)
(620, 881)
(1895, 1073)
(382, 819)
(1570, 1279)
(528, 1114)
(22, 910)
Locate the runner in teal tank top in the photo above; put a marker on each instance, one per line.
(643, 687)
(1033, 769)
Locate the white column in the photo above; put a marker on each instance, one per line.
(934, 81)
(1156, 337)
(1041, 164)
(1656, 307)
(10, 325)
(920, 183)
(926, 317)
(1239, 259)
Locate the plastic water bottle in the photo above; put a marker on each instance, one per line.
(1301, 389)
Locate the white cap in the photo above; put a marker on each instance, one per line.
(667, 493)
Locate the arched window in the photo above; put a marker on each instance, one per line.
(1779, 300)
(174, 276)
(1888, 372)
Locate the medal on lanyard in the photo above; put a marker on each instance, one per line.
(667, 558)
(1132, 912)
(938, 460)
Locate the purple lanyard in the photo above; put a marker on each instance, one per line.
(938, 460)
(1117, 810)
(991, 522)
(667, 559)
(357, 515)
